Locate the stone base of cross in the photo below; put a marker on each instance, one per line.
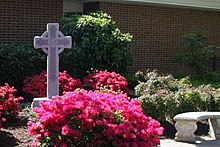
(36, 101)
(52, 43)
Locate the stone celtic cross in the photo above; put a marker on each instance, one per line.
(52, 43)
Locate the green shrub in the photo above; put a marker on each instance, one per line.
(212, 78)
(194, 99)
(132, 80)
(97, 44)
(163, 96)
(216, 99)
(157, 94)
(158, 105)
(19, 61)
(195, 54)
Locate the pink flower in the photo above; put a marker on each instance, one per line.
(66, 130)
(104, 80)
(36, 85)
(8, 102)
(64, 145)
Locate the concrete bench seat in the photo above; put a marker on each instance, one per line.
(186, 125)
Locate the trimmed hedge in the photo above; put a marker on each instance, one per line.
(19, 61)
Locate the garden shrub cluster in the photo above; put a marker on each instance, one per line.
(163, 96)
(36, 85)
(9, 106)
(86, 118)
(97, 43)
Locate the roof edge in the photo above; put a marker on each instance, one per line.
(196, 4)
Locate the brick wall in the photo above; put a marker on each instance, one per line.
(21, 20)
(157, 31)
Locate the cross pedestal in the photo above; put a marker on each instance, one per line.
(52, 43)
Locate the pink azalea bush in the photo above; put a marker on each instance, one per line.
(9, 106)
(86, 118)
(98, 80)
(36, 85)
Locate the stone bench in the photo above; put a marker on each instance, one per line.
(186, 125)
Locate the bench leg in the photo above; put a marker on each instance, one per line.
(185, 130)
(212, 128)
(218, 129)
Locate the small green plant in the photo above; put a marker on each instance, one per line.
(132, 80)
(98, 44)
(195, 54)
(31, 115)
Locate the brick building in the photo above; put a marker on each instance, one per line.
(157, 26)
(21, 20)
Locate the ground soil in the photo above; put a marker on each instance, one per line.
(15, 132)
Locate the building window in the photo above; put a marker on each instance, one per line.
(72, 8)
(68, 14)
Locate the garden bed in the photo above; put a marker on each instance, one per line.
(15, 132)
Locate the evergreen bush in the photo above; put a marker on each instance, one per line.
(97, 44)
(19, 61)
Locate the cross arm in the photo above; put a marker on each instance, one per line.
(40, 42)
(65, 42)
